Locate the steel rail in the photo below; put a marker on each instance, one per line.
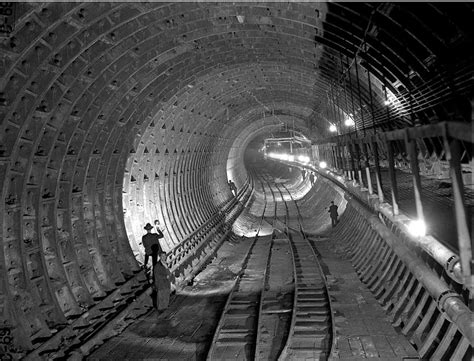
(311, 308)
(303, 233)
(219, 334)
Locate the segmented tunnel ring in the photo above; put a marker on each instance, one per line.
(117, 114)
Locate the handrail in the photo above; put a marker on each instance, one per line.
(214, 226)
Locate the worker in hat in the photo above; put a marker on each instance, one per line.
(148, 240)
(333, 214)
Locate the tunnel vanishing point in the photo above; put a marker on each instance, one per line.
(113, 115)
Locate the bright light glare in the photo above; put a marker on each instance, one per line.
(386, 102)
(349, 121)
(417, 228)
(332, 128)
(289, 157)
(279, 156)
(323, 164)
(303, 158)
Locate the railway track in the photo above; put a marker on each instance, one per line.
(278, 308)
(310, 335)
(235, 335)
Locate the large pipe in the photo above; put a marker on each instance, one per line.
(449, 302)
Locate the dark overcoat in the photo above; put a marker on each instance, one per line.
(162, 285)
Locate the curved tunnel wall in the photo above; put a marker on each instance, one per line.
(131, 109)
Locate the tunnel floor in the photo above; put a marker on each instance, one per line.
(363, 328)
(185, 330)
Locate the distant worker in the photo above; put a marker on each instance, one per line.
(148, 240)
(303, 174)
(233, 188)
(333, 214)
(311, 177)
(161, 280)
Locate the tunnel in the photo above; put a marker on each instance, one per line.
(118, 114)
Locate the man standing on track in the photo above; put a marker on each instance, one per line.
(333, 214)
(148, 240)
(233, 188)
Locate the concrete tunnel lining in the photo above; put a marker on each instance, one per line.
(116, 113)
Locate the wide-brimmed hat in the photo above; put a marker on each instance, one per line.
(148, 226)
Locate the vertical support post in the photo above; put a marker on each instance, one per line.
(411, 148)
(342, 159)
(347, 156)
(336, 113)
(359, 168)
(367, 168)
(393, 178)
(453, 154)
(334, 154)
(340, 166)
(369, 81)
(353, 168)
(378, 176)
(333, 157)
(360, 97)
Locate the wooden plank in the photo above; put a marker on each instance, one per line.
(343, 347)
(415, 171)
(383, 346)
(369, 346)
(393, 178)
(461, 131)
(399, 346)
(453, 153)
(356, 346)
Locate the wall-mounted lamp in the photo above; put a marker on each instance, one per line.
(349, 121)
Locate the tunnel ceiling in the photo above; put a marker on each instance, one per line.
(143, 110)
